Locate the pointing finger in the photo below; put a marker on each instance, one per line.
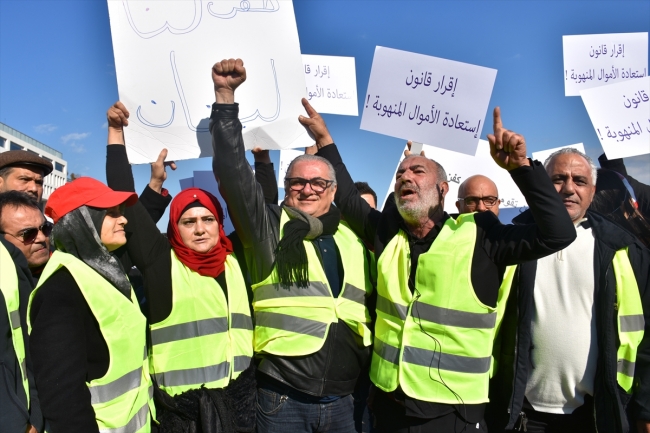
(497, 124)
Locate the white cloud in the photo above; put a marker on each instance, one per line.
(77, 147)
(45, 128)
(75, 136)
(104, 125)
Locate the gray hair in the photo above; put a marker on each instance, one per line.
(571, 150)
(441, 174)
(312, 158)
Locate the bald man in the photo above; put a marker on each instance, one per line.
(478, 194)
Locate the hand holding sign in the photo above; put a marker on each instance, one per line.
(159, 172)
(508, 149)
(227, 75)
(315, 125)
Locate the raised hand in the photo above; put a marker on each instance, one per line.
(407, 152)
(315, 125)
(261, 155)
(158, 172)
(227, 75)
(508, 149)
(117, 117)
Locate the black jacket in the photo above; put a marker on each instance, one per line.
(508, 386)
(14, 413)
(334, 369)
(497, 245)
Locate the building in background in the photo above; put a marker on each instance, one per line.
(10, 139)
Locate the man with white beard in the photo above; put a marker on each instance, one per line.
(442, 284)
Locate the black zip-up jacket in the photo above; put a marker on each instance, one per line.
(508, 386)
(334, 369)
(497, 245)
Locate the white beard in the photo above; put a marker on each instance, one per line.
(415, 211)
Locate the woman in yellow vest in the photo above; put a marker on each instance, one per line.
(87, 334)
(201, 332)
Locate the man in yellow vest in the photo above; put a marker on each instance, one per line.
(442, 283)
(310, 277)
(19, 406)
(575, 349)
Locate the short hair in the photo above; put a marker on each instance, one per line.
(441, 174)
(16, 199)
(566, 150)
(307, 157)
(6, 171)
(364, 188)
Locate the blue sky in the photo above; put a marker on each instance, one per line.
(57, 74)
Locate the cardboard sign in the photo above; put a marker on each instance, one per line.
(427, 99)
(598, 60)
(164, 52)
(620, 114)
(331, 84)
(286, 156)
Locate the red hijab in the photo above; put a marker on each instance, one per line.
(212, 263)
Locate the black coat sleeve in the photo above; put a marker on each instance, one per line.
(265, 176)
(357, 212)
(552, 231)
(61, 326)
(147, 248)
(155, 204)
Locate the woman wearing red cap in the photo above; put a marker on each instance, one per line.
(201, 332)
(87, 334)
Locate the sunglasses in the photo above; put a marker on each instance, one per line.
(28, 235)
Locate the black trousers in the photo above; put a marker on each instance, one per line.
(581, 420)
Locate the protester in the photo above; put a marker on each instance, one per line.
(641, 190)
(310, 278)
(23, 171)
(19, 404)
(442, 284)
(367, 193)
(478, 194)
(87, 334)
(575, 350)
(23, 224)
(199, 317)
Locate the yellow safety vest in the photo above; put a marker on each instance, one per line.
(9, 288)
(435, 343)
(630, 319)
(294, 321)
(206, 340)
(123, 398)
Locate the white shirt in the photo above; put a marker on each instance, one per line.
(565, 347)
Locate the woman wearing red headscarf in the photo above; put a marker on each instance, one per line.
(201, 333)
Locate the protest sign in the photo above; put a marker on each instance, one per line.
(598, 60)
(164, 52)
(331, 84)
(286, 156)
(542, 155)
(431, 100)
(620, 114)
(460, 166)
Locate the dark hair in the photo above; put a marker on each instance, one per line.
(5, 171)
(16, 199)
(613, 200)
(364, 188)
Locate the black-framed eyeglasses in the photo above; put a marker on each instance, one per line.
(488, 201)
(28, 235)
(318, 184)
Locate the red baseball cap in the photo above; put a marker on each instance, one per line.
(85, 191)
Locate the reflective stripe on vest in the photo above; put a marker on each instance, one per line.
(630, 319)
(206, 339)
(9, 288)
(294, 321)
(435, 343)
(123, 398)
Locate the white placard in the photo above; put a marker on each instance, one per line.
(598, 60)
(620, 114)
(206, 181)
(459, 167)
(542, 155)
(427, 99)
(331, 84)
(164, 52)
(286, 156)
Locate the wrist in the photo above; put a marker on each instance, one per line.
(224, 96)
(156, 186)
(115, 136)
(324, 141)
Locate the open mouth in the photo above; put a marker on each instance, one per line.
(406, 192)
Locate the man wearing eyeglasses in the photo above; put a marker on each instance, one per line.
(478, 194)
(22, 223)
(310, 275)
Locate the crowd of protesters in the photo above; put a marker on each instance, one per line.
(324, 308)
